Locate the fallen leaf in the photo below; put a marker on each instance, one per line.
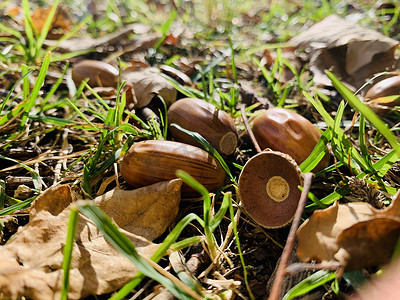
(147, 83)
(59, 25)
(368, 243)
(101, 43)
(354, 234)
(31, 264)
(147, 213)
(353, 52)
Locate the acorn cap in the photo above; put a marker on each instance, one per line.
(268, 188)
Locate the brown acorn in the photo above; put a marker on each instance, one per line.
(100, 74)
(384, 95)
(152, 161)
(387, 87)
(286, 131)
(197, 115)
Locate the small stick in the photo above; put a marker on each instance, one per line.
(281, 272)
(251, 134)
(300, 267)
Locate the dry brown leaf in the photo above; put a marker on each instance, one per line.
(59, 23)
(87, 43)
(32, 259)
(353, 52)
(147, 83)
(355, 234)
(147, 213)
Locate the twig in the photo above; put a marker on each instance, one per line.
(300, 267)
(251, 134)
(281, 272)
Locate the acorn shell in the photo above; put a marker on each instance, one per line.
(100, 74)
(197, 115)
(387, 87)
(152, 161)
(268, 188)
(286, 131)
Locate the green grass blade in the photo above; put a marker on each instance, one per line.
(311, 282)
(187, 91)
(29, 29)
(365, 111)
(79, 112)
(25, 82)
(218, 217)
(46, 26)
(235, 77)
(56, 85)
(384, 164)
(160, 252)
(165, 29)
(51, 120)
(36, 88)
(12, 208)
(210, 149)
(235, 233)
(2, 193)
(341, 146)
(124, 245)
(37, 180)
(67, 252)
(183, 244)
(363, 146)
(9, 30)
(339, 133)
(318, 152)
(331, 198)
(4, 119)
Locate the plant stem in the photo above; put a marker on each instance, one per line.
(251, 134)
(281, 272)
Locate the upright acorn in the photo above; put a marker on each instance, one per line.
(152, 161)
(197, 115)
(286, 131)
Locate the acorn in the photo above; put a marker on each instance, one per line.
(100, 74)
(152, 161)
(383, 95)
(268, 188)
(197, 115)
(283, 130)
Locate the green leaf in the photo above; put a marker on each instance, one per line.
(67, 252)
(123, 244)
(36, 88)
(318, 152)
(210, 149)
(10, 209)
(365, 111)
(160, 252)
(311, 282)
(46, 26)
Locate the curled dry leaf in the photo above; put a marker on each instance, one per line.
(354, 52)
(146, 84)
(355, 234)
(102, 43)
(31, 264)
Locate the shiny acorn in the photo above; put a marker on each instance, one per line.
(283, 130)
(197, 115)
(152, 161)
(100, 74)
